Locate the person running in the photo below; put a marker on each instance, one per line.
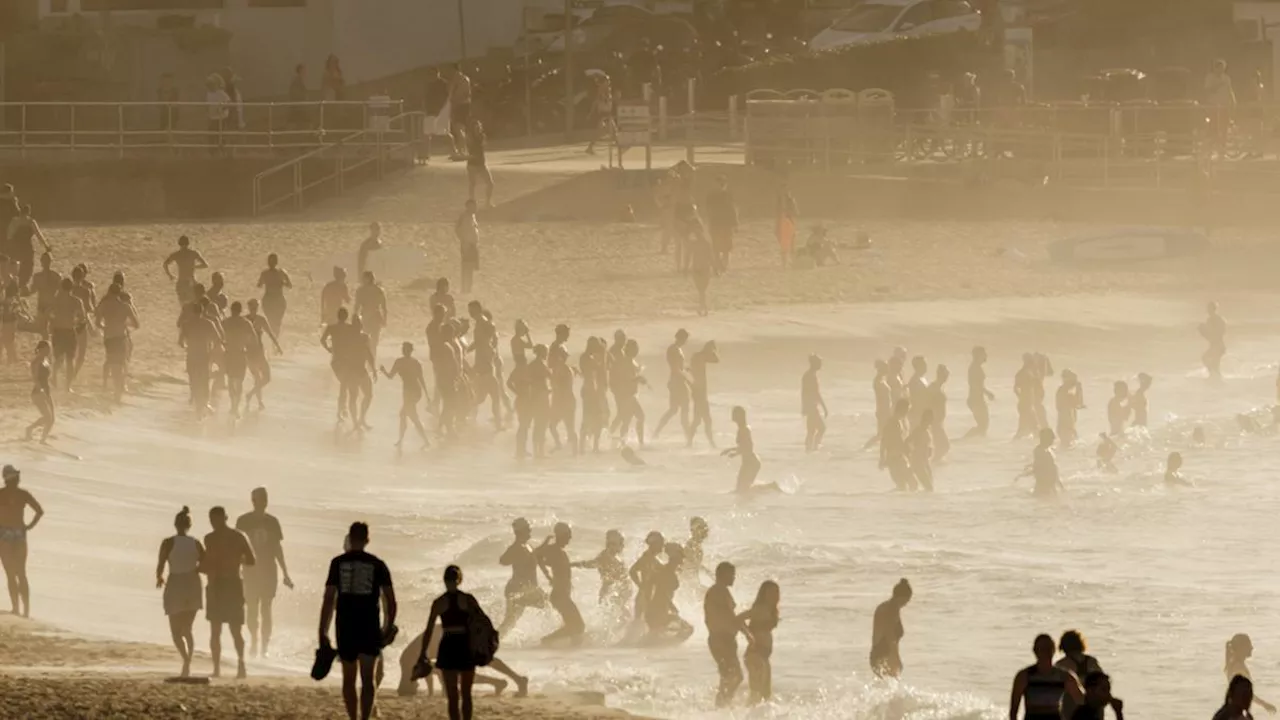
(937, 401)
(537, 394)
(761, 620)
(702, 259)
(722, 221)
(67, 316)
(14, 529)
(363, 371)
(1107, 450)
(564, 407)
(261, 579)
(368, 246)
(274, 281)
(226, 551)
(677, 385)
(1118, 409)
(21, 231)
(917, 392)
(486, 362)
(456, 611)
(115, 315)
(883, 394)
(630, 378)
(1097, 698)
(355, 589)
(334, 297)
(203, 339)
(723, 626)
(409, 370)
(554, 562)
(662, 617)
(1044, 467)
(13, 313)
(895, 450)
(241, 342)
(467, 230)
(522, 589)
(1214, 330)
(745, 449)
(699, 393)
(371, 307)
(84, 290)
(920, 451)
(594, 413)
(1240, 699)
(1069, 401)
(1040, 688)
(812, 406)
(444, 299)
(44, 285)
(615, 588)
(259, 365)
(1238, 650)
(217, 294)
(42, 392)
(336, 340)
(1138, 403)
(187, 261)
(1076, 660)
(643, 569)
(477, 165)
(183, 591)
(887, 632)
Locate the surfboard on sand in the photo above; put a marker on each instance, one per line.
(395, 263)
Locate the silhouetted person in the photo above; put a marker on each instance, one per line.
(66, 317)
(746, 450)
(262, 579)
(642, 571)
(894, 449)
(357, 585)
(1024, 389)
(1138, 403)
(42, 392)
(677, 385)
(629, 379)
(455, 610)
(1069, 401)
(240, 342)
(1044, 467)
(115, 315)
(761, 620)
(259, 365)
(699, 531)
(1118, 409)
(1214, 330)
(812, 406)
(368, 246)
(615, 587)
(917, 392)
(937, 401)
(595, 402)
(187, 261)
(1076, 660)
(413, 653)
(554, 561)
(1172, 472)
(21, 232)
(226, 551)
(1042, 686)
(920, 451)
(371, 307)
(723, 626)
(274, 281)
(44, 285)
(477, 164)
(203, 338)
(337, 339)
(882, 391)
(699, 392)
(1107, 450)
(14, 527)
(467, 230)
(1097, 698)
(1238, 701)
(334, 296)
(522, 589)
(1238, 650)
(183, 592)
(662, 617)
(409, 370)
(722, 221)
(887, 632)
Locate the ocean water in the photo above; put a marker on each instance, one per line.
(1157, 580)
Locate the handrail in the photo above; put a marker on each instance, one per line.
(412, 119)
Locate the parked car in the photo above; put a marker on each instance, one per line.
(880, 20)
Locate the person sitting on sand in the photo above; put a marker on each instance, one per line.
(745, 449)
(183, 592)
(723, 626)
(1044, 467)
(14, 528)
(413, 653)
(357, 585)
(887, 632)
(819, 249)
(226, 551)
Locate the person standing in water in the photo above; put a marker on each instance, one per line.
(920, 448)
(203, 339)
(1172, 475)
(1076, 660)
(630, 378)
(564, 410)
(187, 261)
(895, 449)
(261, 579)
(661, 614)
(761, 620)
(1107, 450)
(812, 406)
(14, 529)
(42, 392)
(259, 365)
(723, 626)
(591, 365)
(883, 393)
(1044, 467)
(699, 531)
(554, 561)
(334, 296)
(1214, 330)
(744, 448)
(274, 281)
(1041, 687)
(1069, 401)
(699, 393)
(937, 400)
(979, 395)
(1238, 650)
(785, 223)
(615, 588)
(409, 370)
(371, 307)
(1138, 403)
(643, 569)
(1118, 409)
(467, 230)
(183, 591)
(887, 632)
(226, 551)
(1097, 698)
(522, 589)
(917, 391)
(1024, 388)
(677, 385)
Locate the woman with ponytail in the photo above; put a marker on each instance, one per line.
(183, 591)
(1240, 649)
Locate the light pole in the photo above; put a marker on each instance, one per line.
(568, 70)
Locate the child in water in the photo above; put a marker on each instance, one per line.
(745, 449)
(1172, 476)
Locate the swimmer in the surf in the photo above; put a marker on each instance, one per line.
(187, 261)
(698, 390)
(979, 395)
(642, 571)
(1138, 402)
(409, 370)
(662, 617)
(522, 589)
(1214, 330)
(699, 531)
(883, 393)
(1118, 409)
(894, 450)
(1024, 389)
(1069, 400)
(1172, 472)
(812, 406)
(920, 447)
(554, 562)
(677, 385)
(745, 449)
(937, 398)
(259, 365)
(887, 632)
(615, 587)
(1044, 467)
(1107, 450)
(723, 626)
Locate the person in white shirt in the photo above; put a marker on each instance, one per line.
(218, 106)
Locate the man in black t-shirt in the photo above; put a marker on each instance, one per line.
(357, 583)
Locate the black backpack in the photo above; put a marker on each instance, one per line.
(481, 635)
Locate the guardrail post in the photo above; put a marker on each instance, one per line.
(271, 125)
(22, 132)
(733, 118)
(120, 128)
(691, 90)
(73, 126)
(342, 153)
(1106, 161)
(297, 186)
(662, 118)
(322, 104)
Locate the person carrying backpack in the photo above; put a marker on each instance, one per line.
(469, 641)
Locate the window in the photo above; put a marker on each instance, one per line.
(176, 5)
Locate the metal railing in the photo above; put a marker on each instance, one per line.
(130, 127)
(328, 168)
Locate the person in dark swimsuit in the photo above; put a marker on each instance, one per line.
(887, 632)
(555, 563)
(187, 261)
(1077, 660)
(454, 609)
(42, 392)
(1041, 687)
(14, 528)
(761, 620)
(274, 281)
(1238, 701)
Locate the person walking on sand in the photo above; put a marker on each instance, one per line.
(85, 292)
(785, 223)
(66, 317)
(203, 339)
(187, 261)
(357, 585)
(115, 316)
(477, 165)
(761, 620)
(744, 449)
(722, 221)
(677, 385)
(261, 579)
(702, 261)
(14, 528)
(259, 365)
(368, 246)
(1239, 650)
(226, 552)
(274, 281)
(183, 591)
(467, 230)
(522, 589)
(458, 613)
(21, 231)
(240, 342)
(1041, 687)
(887, 632)
(371, 307)
(554, 562)
(812, 406)
(42, 392)
(44, 285)
(699, 392)
(723, 626)
(409, 370)
(630, 378)
(334, 296)
(1214, 330)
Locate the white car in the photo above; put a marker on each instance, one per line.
(880, 20)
